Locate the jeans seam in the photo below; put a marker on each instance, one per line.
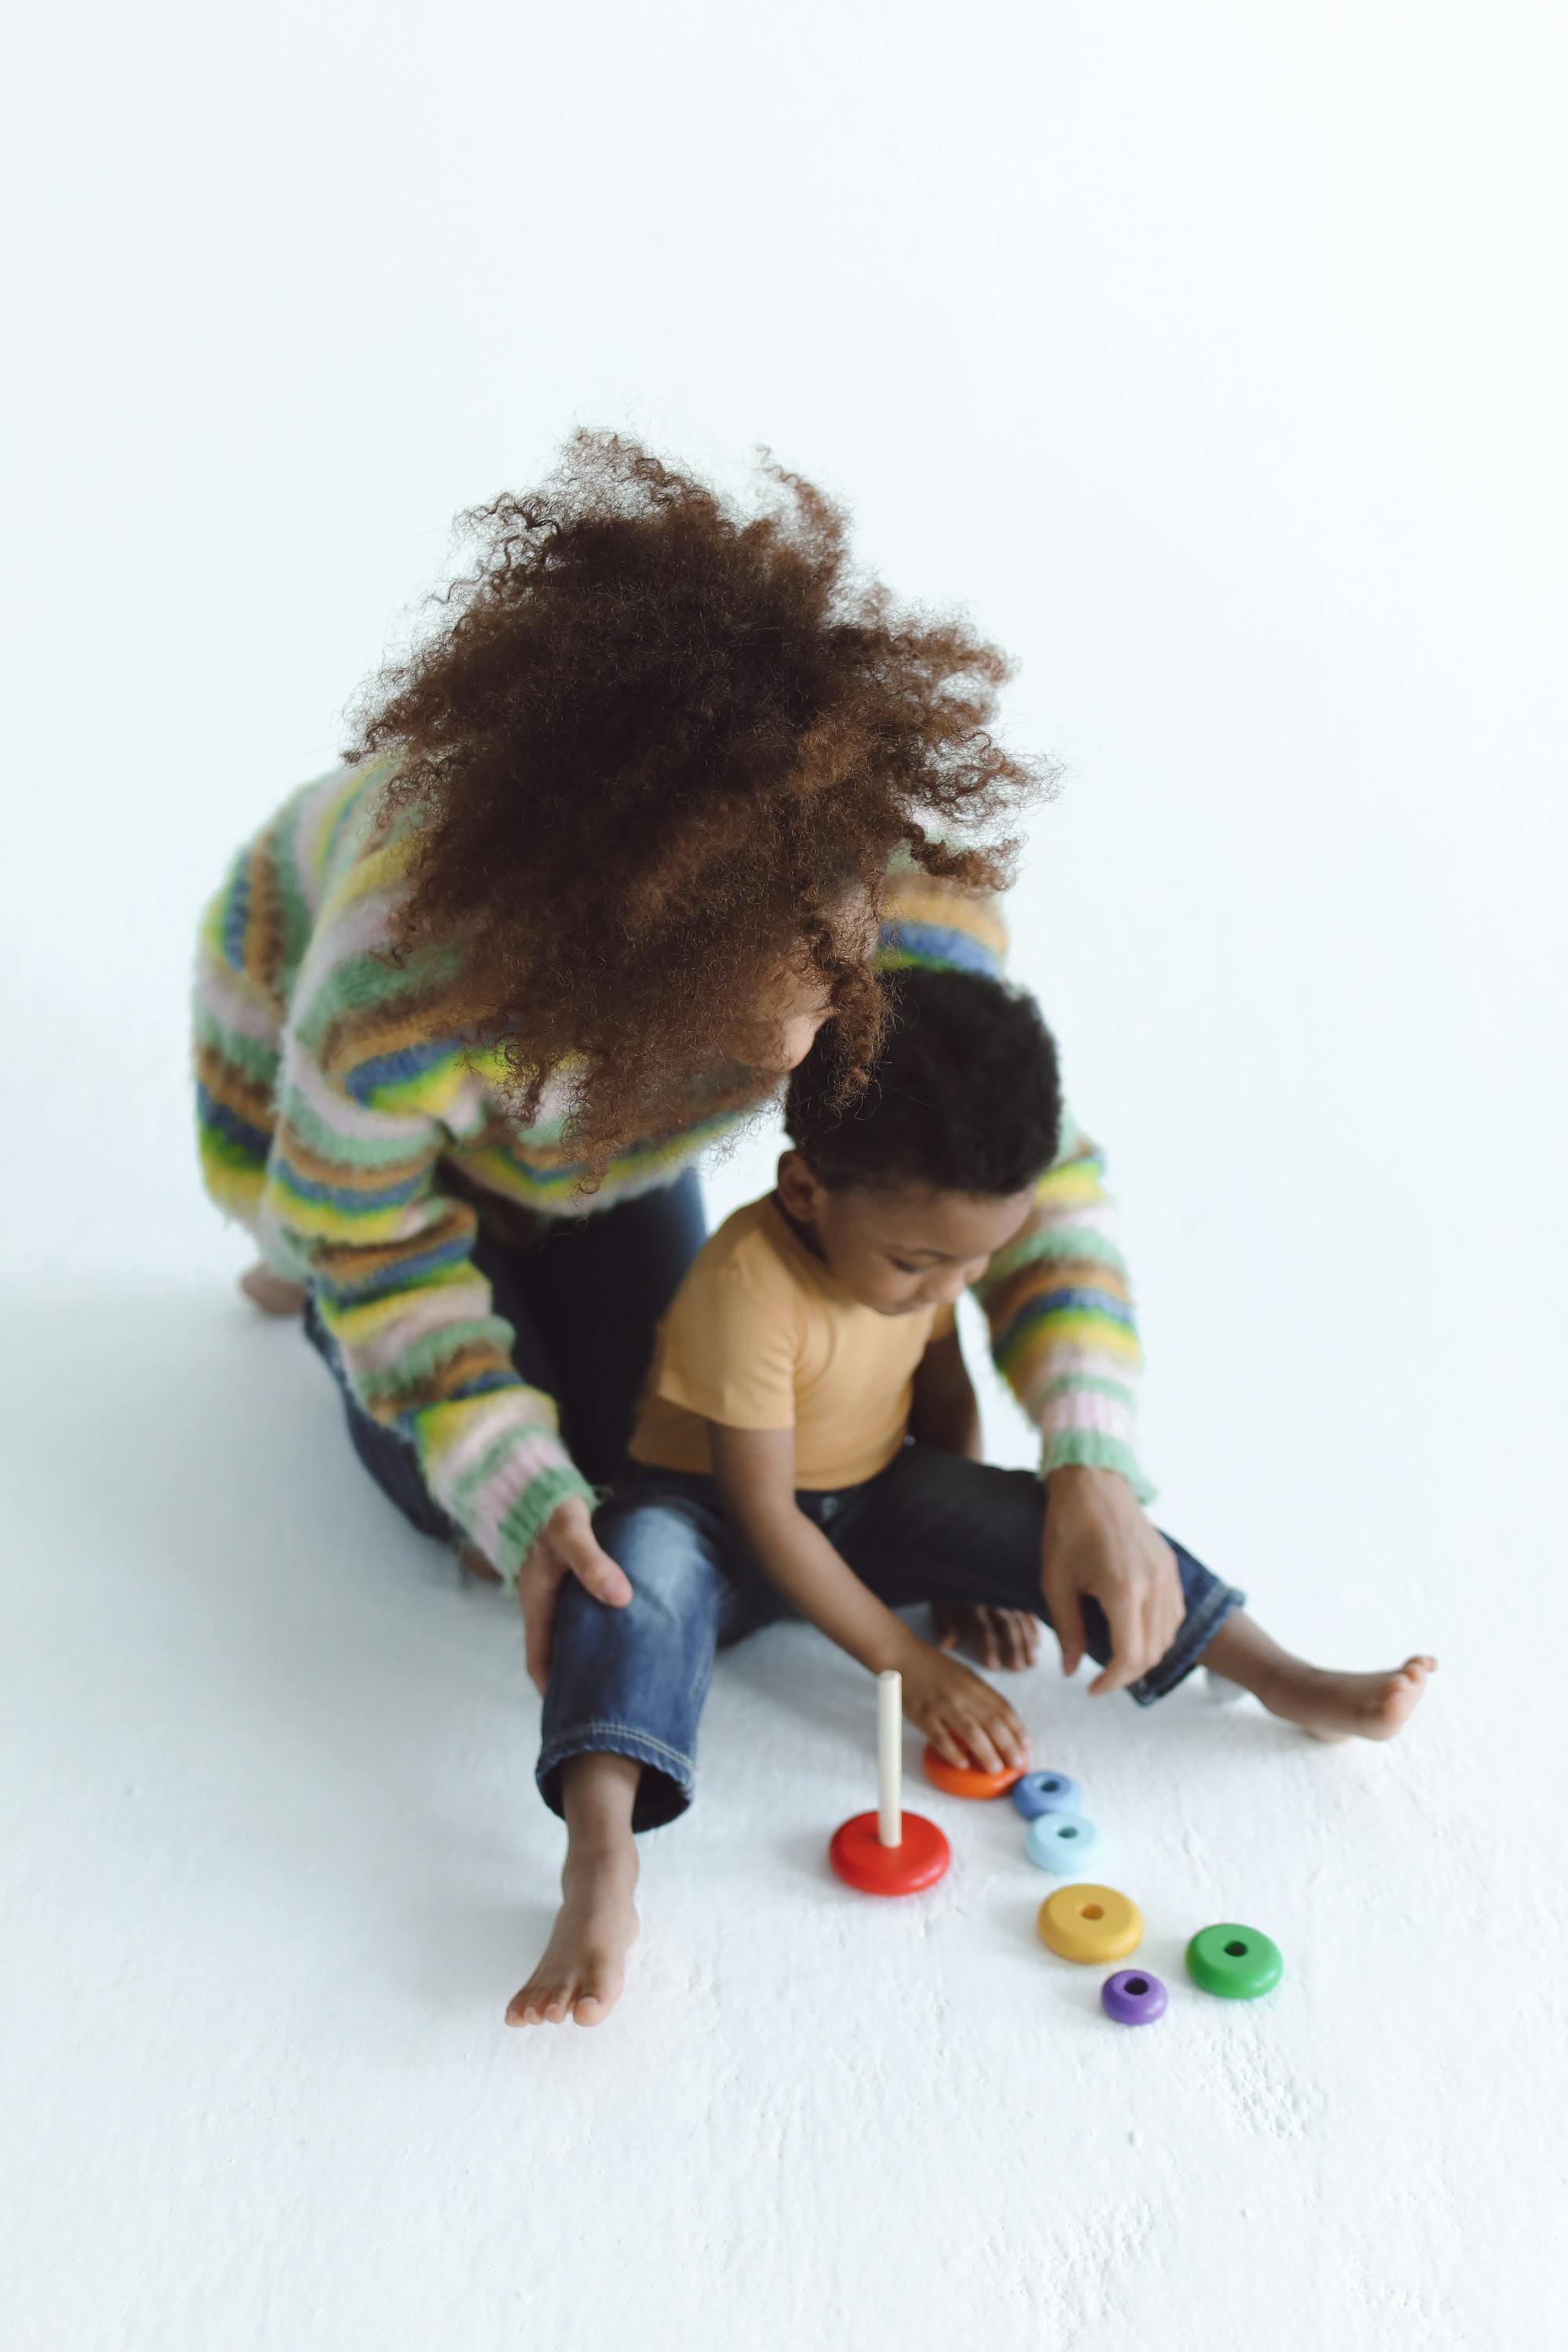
(1197, 1631)
(551, 1754)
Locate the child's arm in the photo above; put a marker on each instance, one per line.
(943, 1412)
(959, 1712)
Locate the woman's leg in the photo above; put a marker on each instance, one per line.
(386, 1454)
(583, 1301)
(619, 1737)
(590, 1292)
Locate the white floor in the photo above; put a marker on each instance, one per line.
(280, 1864)
(1213, 357)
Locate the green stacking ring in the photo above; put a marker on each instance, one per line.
(1238, 1963)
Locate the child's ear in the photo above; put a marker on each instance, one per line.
(800, 1189)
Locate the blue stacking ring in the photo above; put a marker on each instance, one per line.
(1061, 1842)
(1045, 1793)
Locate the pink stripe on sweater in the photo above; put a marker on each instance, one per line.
(526, 1462)
(423, 1311)
(519, 1410)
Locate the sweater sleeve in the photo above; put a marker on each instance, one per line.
(352, 1206)
(1058, 1299)
(1059, 1306)
(324, 1113)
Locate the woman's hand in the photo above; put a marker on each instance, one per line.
(1000, 1637)
(1098, 1543)
(964, 1720)
(564, 1546)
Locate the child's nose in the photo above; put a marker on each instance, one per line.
(951, 1289)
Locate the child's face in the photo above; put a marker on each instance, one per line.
(901, 1251)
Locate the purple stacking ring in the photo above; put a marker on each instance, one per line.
(1132, 1997)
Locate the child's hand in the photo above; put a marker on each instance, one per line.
(965, 1720)
(1000, 1637)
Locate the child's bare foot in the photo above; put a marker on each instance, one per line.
(584, 1966)
(997, 1637)
(1329, 1705)
(271, 1293)
(1347, 1707)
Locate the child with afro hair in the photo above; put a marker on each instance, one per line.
(808, 1444)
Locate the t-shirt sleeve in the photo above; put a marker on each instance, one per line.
(728, 1350)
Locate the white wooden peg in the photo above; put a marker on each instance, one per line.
(890, 1758)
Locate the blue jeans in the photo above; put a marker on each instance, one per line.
(930, 1527)
(583, 1297)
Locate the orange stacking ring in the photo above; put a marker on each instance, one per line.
(967, 1780)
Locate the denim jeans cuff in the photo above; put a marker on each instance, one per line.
(1199, 1630)
(664, 1790)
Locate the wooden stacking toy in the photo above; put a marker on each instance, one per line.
(1237, 1963)
(968, 1779)
(1061, 1842)
(889, 1851)
(1132, 1997)
(1090, 1924)
(1046, 1793)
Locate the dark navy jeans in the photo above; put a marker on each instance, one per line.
(583, 1299)
(930, 1527)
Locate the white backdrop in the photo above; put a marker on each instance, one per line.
(1213, 358)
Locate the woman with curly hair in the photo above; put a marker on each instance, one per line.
(664, 788)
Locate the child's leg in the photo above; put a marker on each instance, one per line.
(936, 1527)
(1329, 1704)
(582, 1966)
(619, 1736)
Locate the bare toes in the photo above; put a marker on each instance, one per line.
(535, 2005)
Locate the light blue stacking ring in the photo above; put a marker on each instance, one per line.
(1045, 1793)
(1061, 1842)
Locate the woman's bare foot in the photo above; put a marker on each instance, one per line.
(585, 1963)
(1329, 1705)
(271, 1293)
(1348, 1706)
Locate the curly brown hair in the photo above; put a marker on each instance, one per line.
(660, 752)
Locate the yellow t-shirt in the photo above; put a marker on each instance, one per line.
(760, 1336)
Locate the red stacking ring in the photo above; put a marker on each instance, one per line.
(872, 1868)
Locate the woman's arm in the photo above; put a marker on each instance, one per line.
(1062, 1333)
(320, 1126)
(1059, 1305)
(963, 1717)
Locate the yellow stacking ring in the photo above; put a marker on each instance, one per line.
(1090, 1924)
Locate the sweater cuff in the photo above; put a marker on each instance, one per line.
(1095, 1449)
(514, 1538)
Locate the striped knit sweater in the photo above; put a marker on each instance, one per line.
(330, 1105)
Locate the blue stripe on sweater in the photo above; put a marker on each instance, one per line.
(934, 943)
(358, 1197)
(402, 1275)
(392, 1069)
(1042, 1303)
(236, 912)
(482, 1384)
(227, 1123)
